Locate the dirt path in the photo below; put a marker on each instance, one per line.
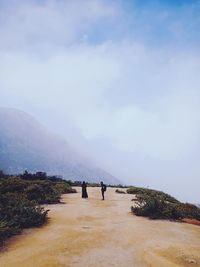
(95, 233)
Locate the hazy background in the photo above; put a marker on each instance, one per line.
(120, 80)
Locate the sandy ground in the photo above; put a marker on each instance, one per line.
(95, 233)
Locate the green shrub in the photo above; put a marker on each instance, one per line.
(20, 201)
(17, 212)
(6, 231)
(64, 188)
(152, 192)
(154, 208)
(120, 191)
(43, 192)
(158, 205)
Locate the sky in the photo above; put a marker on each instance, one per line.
(120, 80)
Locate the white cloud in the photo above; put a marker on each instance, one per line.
(29, 24)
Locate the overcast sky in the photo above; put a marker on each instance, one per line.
(118, 79)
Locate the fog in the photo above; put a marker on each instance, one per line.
(119, 80)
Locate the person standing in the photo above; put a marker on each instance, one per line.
(103, 189)
(84, 190)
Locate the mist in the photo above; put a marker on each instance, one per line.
(119, 81)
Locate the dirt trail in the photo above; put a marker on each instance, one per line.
(95, 233)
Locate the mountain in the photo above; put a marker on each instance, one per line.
(27, 145)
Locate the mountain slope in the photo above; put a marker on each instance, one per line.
(26, 145)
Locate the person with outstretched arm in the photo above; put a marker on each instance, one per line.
(103, 189)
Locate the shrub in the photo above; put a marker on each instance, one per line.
(151, 192)
(64, 188)
(17, 212)
(6, 231)
(20, 201)
(120, 191)
(158, 205)
(43, 193)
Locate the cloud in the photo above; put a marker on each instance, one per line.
(39, 24)
(89, 69)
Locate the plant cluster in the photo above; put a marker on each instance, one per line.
(120, 191)
(21, 199)
(158, 205)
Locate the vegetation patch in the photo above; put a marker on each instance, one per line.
(158, 205)
(120, 191)
(21, 198)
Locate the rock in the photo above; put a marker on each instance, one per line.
(192, 261)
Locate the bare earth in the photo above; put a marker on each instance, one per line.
(95, 233)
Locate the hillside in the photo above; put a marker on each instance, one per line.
(26, 145)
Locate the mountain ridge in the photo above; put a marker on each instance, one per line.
(25, 144)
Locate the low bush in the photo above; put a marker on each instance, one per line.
(64, 188)
(151, 192)
(158, 205)
(20, 201)
(120, 191)
(17, 212)
(42, 193)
